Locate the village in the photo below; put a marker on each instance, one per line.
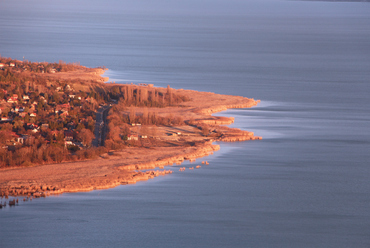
(57, 112)
(39, 113)
(47, 118)
(22, 112)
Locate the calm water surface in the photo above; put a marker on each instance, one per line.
(306, 184)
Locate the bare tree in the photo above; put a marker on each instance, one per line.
(86, 136)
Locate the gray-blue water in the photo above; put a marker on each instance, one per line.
(306, 184)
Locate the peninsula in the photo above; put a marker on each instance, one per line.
(63, 129)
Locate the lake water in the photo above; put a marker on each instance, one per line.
(306, 184)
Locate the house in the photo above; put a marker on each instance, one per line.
(15, 96)
(2, 65)
(144, 136)
(12, 100)
(62, 107)
(5, 119)
(68, 135)
(22, 138)
(45, 125)
(22, 114)
(25, 97)
(32, 126)
(11, 64)
(132, 137)
(33, 115)
(72, 96)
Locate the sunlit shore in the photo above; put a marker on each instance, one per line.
(164, 146)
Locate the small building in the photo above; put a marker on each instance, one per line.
(22, 138)
(33, 127)
(30, 125)
(144, 136)
(132, 137)
(33, 114)
(12, 100)
(5, 119)
(68, 135)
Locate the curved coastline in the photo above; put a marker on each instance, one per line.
(124, 167)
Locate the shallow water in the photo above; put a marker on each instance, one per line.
(304, 185)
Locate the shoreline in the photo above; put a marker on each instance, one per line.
(121, 167)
